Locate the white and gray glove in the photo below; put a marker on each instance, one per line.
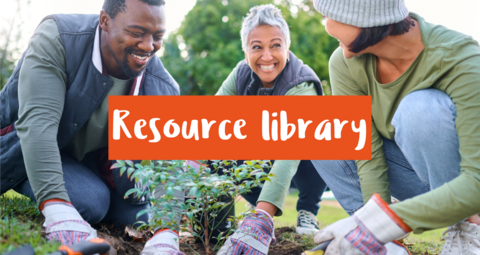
(253, 237)
(163, 242)
(63, 223)
(371, 230)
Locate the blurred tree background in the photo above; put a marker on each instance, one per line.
(10, 35)
(205, 49)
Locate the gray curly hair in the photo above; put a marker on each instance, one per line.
(259, 15)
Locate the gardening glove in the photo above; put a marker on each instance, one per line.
(63, 223)
(253, 237)
(164, 241)
(370, 231)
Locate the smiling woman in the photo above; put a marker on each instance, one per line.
(270, 68)
(265, 41)
(266, 53)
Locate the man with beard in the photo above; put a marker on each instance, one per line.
(54, 116)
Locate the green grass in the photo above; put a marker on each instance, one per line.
(327, 214)
(305, 242)
(429, 242)
(19, 226)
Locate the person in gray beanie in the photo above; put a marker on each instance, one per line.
(424, 81)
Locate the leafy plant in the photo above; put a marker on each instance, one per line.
(203, 186)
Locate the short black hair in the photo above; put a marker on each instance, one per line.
(370, 36)
(113, 7)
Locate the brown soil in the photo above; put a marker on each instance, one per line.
(284, 247)
(121, 241)
(125, 244)
(131, 243)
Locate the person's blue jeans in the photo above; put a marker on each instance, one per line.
(424, 155)
(309, 184)
(93, 199)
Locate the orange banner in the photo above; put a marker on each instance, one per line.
(239, 127)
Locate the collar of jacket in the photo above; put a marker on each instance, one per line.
(256, 87)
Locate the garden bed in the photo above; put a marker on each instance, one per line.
(125, 243)
(20, 224)
(288, 242)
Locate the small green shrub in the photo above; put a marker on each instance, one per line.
(203, 188)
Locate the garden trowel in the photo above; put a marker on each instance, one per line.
(92, 246)
(319, 250)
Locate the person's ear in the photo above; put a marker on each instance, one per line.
(104, 20)
(246, 58)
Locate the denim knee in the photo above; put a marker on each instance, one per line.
(94, 209)
(342, 178)
(421, 113)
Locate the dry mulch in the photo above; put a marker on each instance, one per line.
(122, 242)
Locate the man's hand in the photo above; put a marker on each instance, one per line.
(164, 241)
(253, 237)
(370, 231)
(63, 223)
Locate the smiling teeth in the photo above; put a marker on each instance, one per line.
(141, 58)
(267, 68)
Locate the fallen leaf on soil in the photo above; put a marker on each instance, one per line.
(137, 236)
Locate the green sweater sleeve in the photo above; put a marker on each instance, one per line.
(457, 199)
(276, 190)
(373, 173)
(41, 95)
(229, 86)
(303, 89)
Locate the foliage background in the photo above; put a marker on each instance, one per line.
(205, 49)
(10, 36)
(207, 46)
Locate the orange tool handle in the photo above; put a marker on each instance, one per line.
(90, 247)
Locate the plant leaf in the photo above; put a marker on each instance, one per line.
(122, 170)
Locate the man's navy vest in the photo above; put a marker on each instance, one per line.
(86, 89)
(294, 73)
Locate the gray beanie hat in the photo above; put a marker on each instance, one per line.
(363, 13)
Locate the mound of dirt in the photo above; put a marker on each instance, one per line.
(284, 247)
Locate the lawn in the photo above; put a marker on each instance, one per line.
(17, 228)
(19, 225)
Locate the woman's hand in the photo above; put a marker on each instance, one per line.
(253, 237)
(371, 230)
